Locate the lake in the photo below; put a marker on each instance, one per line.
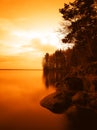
(20, 95)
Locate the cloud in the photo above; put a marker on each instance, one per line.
(36, 43)
(10, 58)
(3, 34)
(21, 44)
(35, 48)
(20, 62)
(20, 51)
(6, 24)
(9, 43)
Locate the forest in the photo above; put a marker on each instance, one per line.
(77, 64)
(81, 16)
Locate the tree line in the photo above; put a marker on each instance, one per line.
(80, 24)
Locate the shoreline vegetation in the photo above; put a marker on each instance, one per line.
(73, 72)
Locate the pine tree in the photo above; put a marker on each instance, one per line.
(82, 28)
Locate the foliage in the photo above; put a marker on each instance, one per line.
(82, 28)
(54, 61)
(79, 80)
(79, 27)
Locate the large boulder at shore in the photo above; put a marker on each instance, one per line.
(56, 102)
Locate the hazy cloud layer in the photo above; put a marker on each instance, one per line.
(18, 47)
(18, 50)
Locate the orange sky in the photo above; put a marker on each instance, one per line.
(27, 31)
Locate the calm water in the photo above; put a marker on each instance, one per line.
(20, 95)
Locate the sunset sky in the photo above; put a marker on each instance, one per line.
(27, 31)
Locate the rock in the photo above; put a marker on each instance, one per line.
(80, 98)
(56, 102)
(74, 83)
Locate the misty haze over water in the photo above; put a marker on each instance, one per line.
(20, 94)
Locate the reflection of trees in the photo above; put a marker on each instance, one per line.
(51, 77)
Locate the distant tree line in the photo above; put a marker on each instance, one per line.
(54, 61)
(80, 25)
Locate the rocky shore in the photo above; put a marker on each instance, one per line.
(78, 89)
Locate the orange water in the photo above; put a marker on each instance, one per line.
(20, 95)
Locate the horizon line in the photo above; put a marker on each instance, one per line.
(21, 69)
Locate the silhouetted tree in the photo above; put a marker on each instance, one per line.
(81, 27)
(46, 61)
(54, 61)
(59, 59)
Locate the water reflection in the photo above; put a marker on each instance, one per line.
(51, 77)
(76, 116)
(20, 94)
